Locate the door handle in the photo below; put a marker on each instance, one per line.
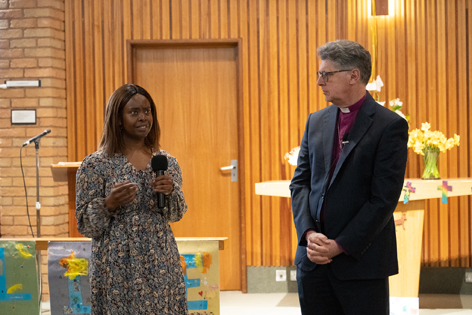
(234, 170)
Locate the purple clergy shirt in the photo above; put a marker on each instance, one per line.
(346, 118)
(345, 121)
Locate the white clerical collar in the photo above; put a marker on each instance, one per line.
(344, 109)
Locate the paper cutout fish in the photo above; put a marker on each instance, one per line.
(23, 251)
(75, 266)
(15, 288)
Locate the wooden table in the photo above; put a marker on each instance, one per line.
(408, 220)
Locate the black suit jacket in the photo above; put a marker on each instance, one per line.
(362, 195)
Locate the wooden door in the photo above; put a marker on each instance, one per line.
(195, 90)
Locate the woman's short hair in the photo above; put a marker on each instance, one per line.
(112, 133)
(347, 54)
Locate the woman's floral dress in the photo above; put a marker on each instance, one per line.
(135, 262)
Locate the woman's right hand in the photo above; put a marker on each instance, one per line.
(121, 194)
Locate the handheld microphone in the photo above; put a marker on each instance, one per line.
(159, 165)
(345, 136)
(45, 132)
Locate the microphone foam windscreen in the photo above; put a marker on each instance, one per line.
(159, 163)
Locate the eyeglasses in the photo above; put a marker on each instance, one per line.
(325, 75)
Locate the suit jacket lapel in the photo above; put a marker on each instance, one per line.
(329, 125)
(361, 125)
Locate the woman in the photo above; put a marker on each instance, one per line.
(135, 262)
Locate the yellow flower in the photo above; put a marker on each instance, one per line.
(425, 126)
(442, 147)
(418, 148)
(449, 143)
(423, 139)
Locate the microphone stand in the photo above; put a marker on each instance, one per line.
(38, 205)
(38, 222)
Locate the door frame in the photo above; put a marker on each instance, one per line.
(132, 44)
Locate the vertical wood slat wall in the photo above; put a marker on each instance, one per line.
(422, 58)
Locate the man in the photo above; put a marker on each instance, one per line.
(346, 186)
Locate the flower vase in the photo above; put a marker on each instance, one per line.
(431, 157)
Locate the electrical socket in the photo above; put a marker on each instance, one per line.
(468, 276)
(293, 275)
(281, 275)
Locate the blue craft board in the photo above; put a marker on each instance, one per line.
(16, 269)
(68, 296)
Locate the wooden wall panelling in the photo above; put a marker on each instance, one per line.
(431, 226)
(215, 30)
(132, 28)
(292, 88)
(194, 9)
(147, 20)
(156, 19)
(400, 66)
(99, 97)
(351, 21)
(420, 62)
(106, 37)
(133, 18)
(264, 121)
(452, 119)
(79, 79)
(321, 39)
(442, 125)
(248, 201)
(410, 78)
(233, 8)
(255, 159)
(302, 68)
(312, 26)
(469, 104)
(382, 56)
(89, 70)
(273, 109)
(119, 43)
(205, 23)
(417, 47)
(176, 19)
(464, 241)
(70, 90)
(341, 18)
(331, 21)
(391, 74)
(166, 18)
(242, 166)
(223, 19)
(284, 128)
(364, 34)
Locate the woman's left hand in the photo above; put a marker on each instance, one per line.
(162, 184)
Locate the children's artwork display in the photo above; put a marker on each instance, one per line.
(18, 278)
(68, 274)
(202, 276)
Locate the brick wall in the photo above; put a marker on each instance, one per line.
(32, 47)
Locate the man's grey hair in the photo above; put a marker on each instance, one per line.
(347, 54)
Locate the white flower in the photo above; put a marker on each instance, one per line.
(396, 102)
(292, 157)
(381, 103)
(376, 85)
